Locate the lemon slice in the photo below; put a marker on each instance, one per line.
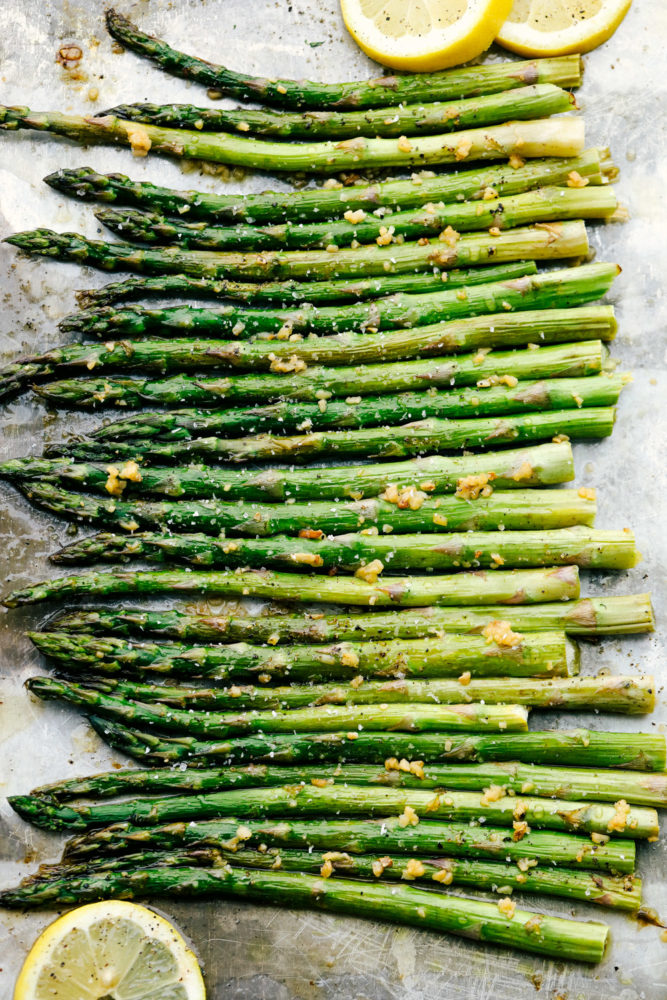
(112, 950)
(423, 35)
(558, 27)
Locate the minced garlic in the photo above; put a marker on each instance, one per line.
(507, 907)
(619, 819)
(463, 148)
(404, 144)
(386, 236)
(413, 869)
(575, 180)
(380, 864)
(408, 496)
(492, 794)
(445, 876)
(140, 142)
(370, 572)
(355, 217)
(292, 364)
(408, 817)
(501, 633)
(307, 558)
(449, 236)
(472, 487)
(349, 659)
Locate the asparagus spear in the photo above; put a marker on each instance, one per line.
(545, 241)
(334, 199)
(206, 858)
(536, 654)
(542, 465)
(471, 717)
(188, 425)
(604, 692)
(621, 893)
(546, 290)
(543, 205)
(572, 359)
(635, 822)
(534, 101)
(579, 545)
(536, 138)
(610, 615)
(450, 84)
(405, 440)
(576, 748)
(399, 904)
(560, 782)
(353, 412)
(511, 509)
(354, 836)
(286, 293)
(525, 586)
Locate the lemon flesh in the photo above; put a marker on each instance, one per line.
(559, 27)
(424, 35)
(110, 950)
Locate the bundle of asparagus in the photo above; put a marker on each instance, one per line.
(358, 322)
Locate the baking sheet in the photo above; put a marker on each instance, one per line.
(249, 951)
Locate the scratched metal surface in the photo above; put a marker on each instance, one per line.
(254, 952)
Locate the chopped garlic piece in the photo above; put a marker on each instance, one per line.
(413, 869)
(293, 364)
(349, 658)
(408, 817)
(501, 633)
(492, 794)
(575, 180)
(619, 819)
(472, 487)
(507, 907)
(355, 217)
(404, 144)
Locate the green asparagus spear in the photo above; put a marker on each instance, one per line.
(605, 692)
(532, 932)
(447, 85)
(355, 836)
(187, 425)
(611, 615)
(559, 782)
(576, 748)
(419, 717)
(145, 429)
(289, 293)
(635, 822)
(543, 205)
(536, 138)
(542, 465)
(534, 654)
(579, 545)
(403, 441)
(331, 201)
(546, 241)
(511, 509)
(546, 290)
(620, 893)
(535, 101)
(321, 382)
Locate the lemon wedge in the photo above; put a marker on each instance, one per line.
(112, 950)
(424, 35)
(558, 27)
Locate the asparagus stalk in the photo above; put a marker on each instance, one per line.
(321, 383)
(188, 425)
(579, 545)
(331, 201)
(543, 205)
(615, 615)
(405, 440)
(621, 893)
(635, 822)
(206, 858)
(515, 509)
(447, 85)
(575, 748)
(536, 138)
(536, 654)
(354, 836)
(559, 782)
(419, 717)
(546, 290)
(604, 692)
(399, 904)
(544, 241)
(286, 293)
(535, 101)
(525, 586)
(542, 465)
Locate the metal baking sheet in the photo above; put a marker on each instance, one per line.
(250, 951)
